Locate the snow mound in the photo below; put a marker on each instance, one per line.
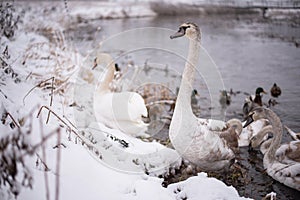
(204, 187)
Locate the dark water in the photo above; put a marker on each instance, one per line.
(249, 52)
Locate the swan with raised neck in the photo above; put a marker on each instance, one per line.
(107, 61)
(261, 140)
(282, 162)
(119, 110)
(197, 140)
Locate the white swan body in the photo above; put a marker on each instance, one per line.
(281, 162)
(118, 110)
(201, 143)
(193, 138)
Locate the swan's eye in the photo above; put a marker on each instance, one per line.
(183, 28)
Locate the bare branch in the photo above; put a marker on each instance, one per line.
(85, 141)
(51, 99)
(44, 139)
(44, 160)
(38, 85)
(12, 118)
(58, 157)
(5, 96)
(70, 122)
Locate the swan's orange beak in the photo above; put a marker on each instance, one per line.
(179, 33)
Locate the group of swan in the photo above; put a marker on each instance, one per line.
(201, 140)
(282, 161)
(208, 143)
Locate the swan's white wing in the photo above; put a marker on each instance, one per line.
(205, 148)
(211, 124)
(136, 105)
(289, 153)
(121, 106)
(121, 111)
(286, 174)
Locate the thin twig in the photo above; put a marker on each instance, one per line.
(51, 99)
(44, 164)
(28, 76)
(38, 85)
(86, 141)
(44, 160)
(5, 96)
(12, 118)
(44, 139)
(63, 83)
(58, 156)
(70, 122)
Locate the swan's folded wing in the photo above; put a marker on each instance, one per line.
(289, 153)
(212, 125)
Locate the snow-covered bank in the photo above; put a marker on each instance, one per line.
(82, 174)
(83, 177)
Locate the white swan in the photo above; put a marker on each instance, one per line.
(282, 162)
(118, 110)
(195, 139)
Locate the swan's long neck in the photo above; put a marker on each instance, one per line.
(183, 102)
(106, 60)
(277, 136)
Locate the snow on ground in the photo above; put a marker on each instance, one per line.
(98, 162)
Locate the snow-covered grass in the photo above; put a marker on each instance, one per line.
(68, 161)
